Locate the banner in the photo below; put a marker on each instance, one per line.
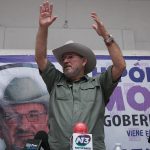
(24, 102)
(127, 117)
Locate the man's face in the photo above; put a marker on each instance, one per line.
(73, 65)
(24, 121)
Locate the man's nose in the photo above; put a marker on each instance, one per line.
(23, 123)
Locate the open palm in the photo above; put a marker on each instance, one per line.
(46, 17)
(98, 26)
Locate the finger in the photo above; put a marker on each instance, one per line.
(41, 9)
(47, 4)
(94, 27)
(94, 15)
(51, 9)
(98, 22)
(54, 18)
(94, 18)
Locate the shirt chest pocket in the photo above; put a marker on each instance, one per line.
(63, 93)
(88, 92)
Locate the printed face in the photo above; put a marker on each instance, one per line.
(73, 65)
(24, 121)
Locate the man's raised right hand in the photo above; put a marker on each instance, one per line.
(46, 14)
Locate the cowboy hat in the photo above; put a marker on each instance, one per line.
(80, 49)
(24, 90)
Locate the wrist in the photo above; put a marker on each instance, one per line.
(43, 28)
(106, 35)
(108, 39)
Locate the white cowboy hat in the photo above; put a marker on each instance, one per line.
(80, 49)
(22, 90)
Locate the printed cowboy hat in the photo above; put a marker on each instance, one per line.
(80, 49)
(24, 90)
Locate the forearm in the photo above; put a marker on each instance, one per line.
(45, 20)
(41, 47)
(117, 59)
(113, 48)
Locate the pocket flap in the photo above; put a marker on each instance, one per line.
(90, 85)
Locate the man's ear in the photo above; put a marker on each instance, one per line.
(84, 61)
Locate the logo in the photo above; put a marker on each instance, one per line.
(31, 146)
(83, 140)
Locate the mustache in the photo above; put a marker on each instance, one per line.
(24, 132)
(66, 65)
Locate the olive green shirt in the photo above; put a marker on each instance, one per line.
(72, 102)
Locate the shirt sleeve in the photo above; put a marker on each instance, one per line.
(107, 84)
(50, 76)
